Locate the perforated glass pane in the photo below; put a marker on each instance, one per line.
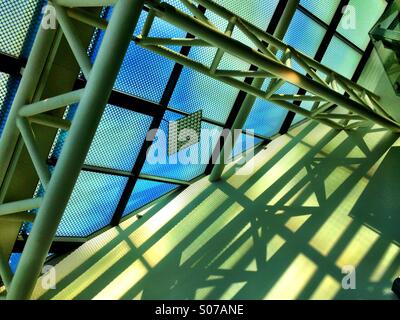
(118, 139)
(266, 118)
(146, 191)
(19, 21)
(358, 20)
(309, 39)
(196, 91)
(341, 58)
(187, 164)
(8, 88)
(256, 12)
(325, 10)
(92, 204)
(144, 73)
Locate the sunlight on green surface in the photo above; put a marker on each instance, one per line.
(327, 289)
(358, 247)
(293, 280)
(386, 261)
(283, 232)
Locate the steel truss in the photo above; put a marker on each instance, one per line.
(273, 58)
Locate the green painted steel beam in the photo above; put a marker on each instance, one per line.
(19, 217)
(242, 51)
(87, 18)
(51, 103)
(38, 160)
(273, 41)
(98, 89)
(5, 270)
(24, 95)
(74, 41)
(51, 121)
(249, 101)
(19, 206)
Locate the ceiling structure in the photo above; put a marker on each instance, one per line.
(151, 91)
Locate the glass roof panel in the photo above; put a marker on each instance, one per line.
(341, 58)
(309, 39)
(196, 91)
(146, 191)
(257, 12)
(118, 139)
(359, 19)
(174, 166)
(92, 204)
(16, 39)
(134, 77)
(324, 10)
(266, 118)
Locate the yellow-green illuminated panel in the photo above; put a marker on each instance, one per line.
(325, 10)
(359, 17)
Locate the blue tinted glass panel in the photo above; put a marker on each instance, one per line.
(14, 260)
(118, 139)
(19, 21)
(325, 10)
(187, 164)
(92, 204)
(307, 41)
(144, 73)
(341, 58)
(266, 118)
(146, 191)
(304, 34)
(196, 91)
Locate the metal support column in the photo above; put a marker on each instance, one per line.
(25, 93)
(249, 101)
(98, 89)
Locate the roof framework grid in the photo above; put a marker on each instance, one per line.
(325, 90)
